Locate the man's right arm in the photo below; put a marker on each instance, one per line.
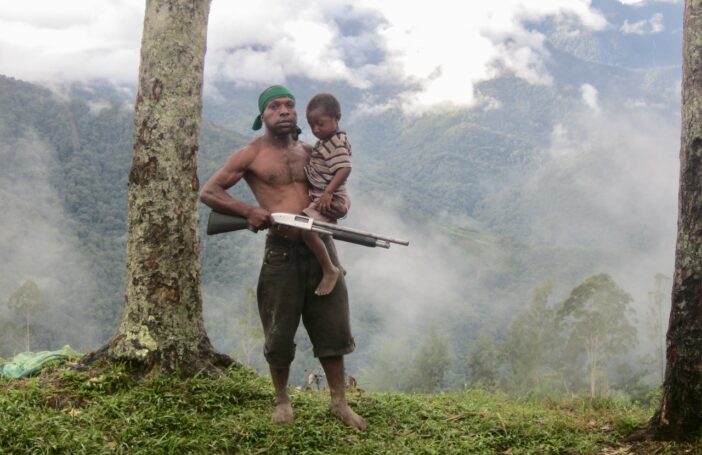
(214, 192)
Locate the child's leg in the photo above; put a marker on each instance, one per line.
(330, 273)
(340, 205)
(332, 247)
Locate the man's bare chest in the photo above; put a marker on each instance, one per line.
(280, 169)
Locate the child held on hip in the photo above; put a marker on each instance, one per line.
(327, 171)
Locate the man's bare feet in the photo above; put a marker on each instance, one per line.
(282, 413)
(329, 279)
(344, 413)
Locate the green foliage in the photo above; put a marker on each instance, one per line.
(109, 411)
(596, 318)
(249, 333)
(530, 348)
(484, 362)
(427, 370)
(26, 298)
(389, 370)
(550, 349)
(633, 382)
(26, 301)
(11, 337)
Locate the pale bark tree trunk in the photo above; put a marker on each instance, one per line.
(594, 364)
(27, 334)
(162, 327)
(680, 414)
(658, 328)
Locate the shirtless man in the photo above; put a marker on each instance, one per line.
(273, 166)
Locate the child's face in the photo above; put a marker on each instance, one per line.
(323, 125)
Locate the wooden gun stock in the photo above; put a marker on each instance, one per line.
(218, 223)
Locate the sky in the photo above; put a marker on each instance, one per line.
(437, 50)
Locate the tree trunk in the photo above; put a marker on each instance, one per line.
(592, 358)
(680, 414)
(162, 327)
(27, 334)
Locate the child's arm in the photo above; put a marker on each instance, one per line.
(340, 176)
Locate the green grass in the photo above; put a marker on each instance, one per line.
(109, 411)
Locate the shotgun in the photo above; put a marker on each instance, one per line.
(218, 223)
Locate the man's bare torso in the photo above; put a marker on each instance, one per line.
(276, 176)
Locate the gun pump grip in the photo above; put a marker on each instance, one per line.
(355, 238)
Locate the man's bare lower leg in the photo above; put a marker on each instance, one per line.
(334, 370)
(282, 411)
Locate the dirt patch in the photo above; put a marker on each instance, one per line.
(63, 401)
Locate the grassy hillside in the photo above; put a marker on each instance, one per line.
(107, 411)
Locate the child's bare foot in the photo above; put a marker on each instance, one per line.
(282, 413)
(344, 413)
(329, 279)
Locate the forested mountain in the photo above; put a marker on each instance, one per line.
(536, 182)
(65, 189)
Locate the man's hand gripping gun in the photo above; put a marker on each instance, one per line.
(220, 222)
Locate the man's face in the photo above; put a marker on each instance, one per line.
(280, 116)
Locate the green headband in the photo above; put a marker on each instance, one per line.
(271, 93)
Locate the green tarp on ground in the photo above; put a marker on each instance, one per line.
(27, 363)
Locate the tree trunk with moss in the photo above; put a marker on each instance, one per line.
(162, 328)
(680, 414)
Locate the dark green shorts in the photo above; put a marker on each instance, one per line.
(289, 275)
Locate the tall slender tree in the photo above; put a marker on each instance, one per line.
(426, 374)
(656, 323)
(530, 346)
(595, 317)
(162, 327)
(27, 301)
(679, 416)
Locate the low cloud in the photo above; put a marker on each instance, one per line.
(644, 27)
(608, 181)
(82, 40)
(648, 2)
(443, 56)
(37, 243)
(609, 184)
(284, 41)
(590, 97)
(436, 51)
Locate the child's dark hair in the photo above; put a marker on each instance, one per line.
(326, 101)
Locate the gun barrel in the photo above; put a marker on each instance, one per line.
(336, 227)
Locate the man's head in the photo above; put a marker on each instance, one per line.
(276, 106)
(323, 115)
